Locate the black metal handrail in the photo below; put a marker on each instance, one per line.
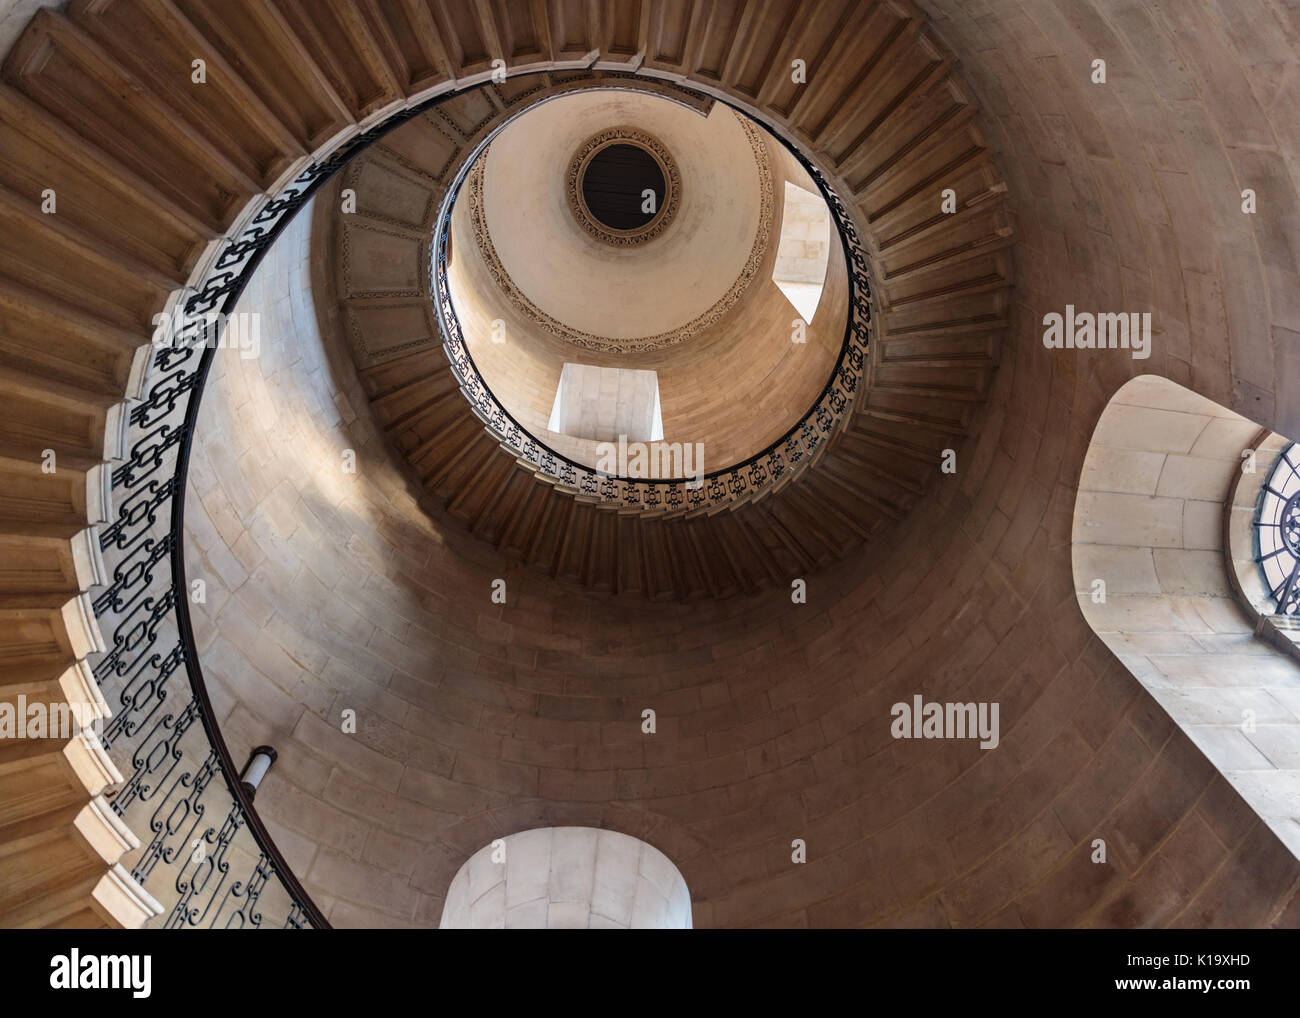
(227, 869)
(725, 487)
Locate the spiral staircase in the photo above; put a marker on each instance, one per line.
(924, 377)
(152, 175)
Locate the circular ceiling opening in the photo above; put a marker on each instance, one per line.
(623, 186)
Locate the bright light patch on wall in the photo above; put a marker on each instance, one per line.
(804, 250)
(603, 403)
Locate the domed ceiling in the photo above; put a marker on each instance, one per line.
(537, 283)
(626, 294)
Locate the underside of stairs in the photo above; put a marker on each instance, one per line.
(119, 172)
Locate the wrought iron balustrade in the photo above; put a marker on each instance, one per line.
(205, 853)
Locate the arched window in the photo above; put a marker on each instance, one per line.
(567, 878)
(1165, 494)
(1277, 532)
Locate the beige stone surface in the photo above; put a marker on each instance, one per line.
(1129, 541)
(478, 720)
(567, 878)
(606, 404)
(593, 286)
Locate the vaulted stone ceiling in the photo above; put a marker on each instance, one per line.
(718, 233)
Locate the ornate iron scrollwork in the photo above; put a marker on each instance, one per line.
(229, 875)
(162, 734)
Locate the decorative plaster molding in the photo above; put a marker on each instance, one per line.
(353, 287)
(577, 170)
(634, 344)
